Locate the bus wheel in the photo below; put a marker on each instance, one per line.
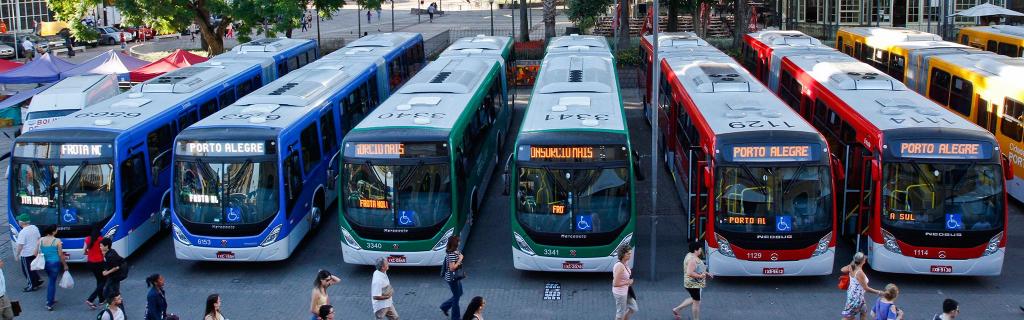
(314, 217)
(316, 214)
(165, 214)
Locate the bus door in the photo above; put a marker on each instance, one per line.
(860, 191)
(702, 181)
(986, 118)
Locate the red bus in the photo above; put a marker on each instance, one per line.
(925, 188)
(670, 44)
(762, 52)
(754, 177)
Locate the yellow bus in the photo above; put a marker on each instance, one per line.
(1002, 39)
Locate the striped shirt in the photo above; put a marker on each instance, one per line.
(449, 275)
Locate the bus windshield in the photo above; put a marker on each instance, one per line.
(63, 193)
(397, 196)
(575, 200)
(225, 192)
(942, 196)
(787, 199)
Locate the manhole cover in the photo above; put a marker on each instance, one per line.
(552, 291)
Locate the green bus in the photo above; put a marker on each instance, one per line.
(572, 168)
(415, 170)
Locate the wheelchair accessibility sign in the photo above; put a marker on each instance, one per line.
(783, 223)
(234, 214)
(584, 222)
(70, 215)
(954, 221)
(407, 218)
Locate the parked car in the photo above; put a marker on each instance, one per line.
(147, 33)
(9, 40)
(6, 51)
(110, 35)
(54, 41)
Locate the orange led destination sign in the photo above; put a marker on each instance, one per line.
(943, 150)
(380, 149)
(747, 220)
(373, 204)
(586, 153)
(573, 153)
(557, 209)
(772, 152)
(906, 216)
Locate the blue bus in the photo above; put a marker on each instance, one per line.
(252, 180)
(107, 165)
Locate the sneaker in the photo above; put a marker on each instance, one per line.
(445, 312)
(49, 308)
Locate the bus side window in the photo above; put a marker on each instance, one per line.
(374, 96)
(293, 63)
(1012, 112)
(964, 40)
(960, 96)
(208, 108)
(158, 143)
(303, 59)
(133, 182)
(187, 119)
(984, 114)
(896, 64)
(244, 88)
(293, 182)
(790, 90)
(227, 98)
(839, 42)
(991, 46)
(938, 88)
(330, 136)
(282, 69)
(857, 53)
(311, 152)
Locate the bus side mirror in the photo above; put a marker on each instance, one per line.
(838, 172)
(1007, 167)
(332, 172)
(505, 178)
(16, 133)
(637, 171)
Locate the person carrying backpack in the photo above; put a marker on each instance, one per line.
(113, 310)
(114, 269)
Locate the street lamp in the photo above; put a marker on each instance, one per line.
(392, 15)
(491, 3)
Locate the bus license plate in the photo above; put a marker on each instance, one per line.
(572, 265)
(773, 271)
(225, 255)
(396, 259)
(942, 269)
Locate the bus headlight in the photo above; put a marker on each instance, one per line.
(443, 243)
(890, 242)
(822, 245)
(110, 233)
(180, 236)
(523, 246)
(349, 240)
(723, 246)
(993, 244)
(271, 237)
(625, 241)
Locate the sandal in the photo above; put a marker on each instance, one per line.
(92, 306)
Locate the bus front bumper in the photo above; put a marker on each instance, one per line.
(881, 259)
(279, 250)
(523, 261)
(415, 258)
(720, 265)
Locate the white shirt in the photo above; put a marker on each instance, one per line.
(380, 281)
(27, 45)
(118, 315)
(3, 284)
(28, 238)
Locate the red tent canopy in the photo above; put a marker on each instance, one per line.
(8, 65)
(178, 59)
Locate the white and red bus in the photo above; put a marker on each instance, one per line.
(925, 187)
(669, 44)
(754, 177)
(762, 52)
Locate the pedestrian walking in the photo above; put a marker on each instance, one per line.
(213, 308)
(950, 310)
(453, 274)
(622, 279)
(475, 310)
(3, 27)
(114, 270)
(695, 275)
(324, 279)
(885, 307)
(431, 9)
(156, 299)
(52, 250)
(94, 261)
(28, 246)
(6, 311)
(123, 43)
(303, 23)
(29, 49)
(114, 311)
(326, 312)
(231, 30)
(192, 32)
(69, 41)
(855, 301)
(369, 14)
(378, 16)
(382, 292)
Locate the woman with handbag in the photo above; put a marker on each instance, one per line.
(52, 250)
(695, 275)
(855, 302)
(622, 280)
(453, 274)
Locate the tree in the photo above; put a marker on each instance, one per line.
(72, 12)
(524, 26)
(549, 19)
(673, 15)
(623, 25)
(584, 13)
(740, 22)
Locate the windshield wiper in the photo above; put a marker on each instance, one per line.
(793, 181)
(232, 179)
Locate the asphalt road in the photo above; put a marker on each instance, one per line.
(281, 290)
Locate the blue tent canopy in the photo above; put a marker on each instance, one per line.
(110, 62)
(46, 68)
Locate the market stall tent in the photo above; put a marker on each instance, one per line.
(178, 59)
(46, 68)
(110, 62)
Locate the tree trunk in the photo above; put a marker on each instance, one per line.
(524, 26)
(673, 15)
(549, 19)
(623, 25)
(213, 38)
(741, 20)
(288, 33)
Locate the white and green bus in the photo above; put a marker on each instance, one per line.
(572, 170)
(415, 170)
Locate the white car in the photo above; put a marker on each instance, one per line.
(6, 51)
(111, 35)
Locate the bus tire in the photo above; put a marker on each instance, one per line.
(165, 213)
(316, 213)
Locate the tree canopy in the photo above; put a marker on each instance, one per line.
(584, 13)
